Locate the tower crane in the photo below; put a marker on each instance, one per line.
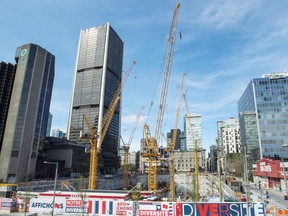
(151, 142)
(126, 149)
(196, 166)
(97, 136)
(171, 147)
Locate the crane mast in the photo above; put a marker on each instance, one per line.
(96, 137)
(167, 72)
(171, 147)
(126, 150)
(151, 142)
(196, 166)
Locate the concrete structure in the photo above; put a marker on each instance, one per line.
(193, 132)
(28, 113)
(132, 158)
(184, 160)
(267, 98)
(229, 135)
(98, 73)
(7, 74)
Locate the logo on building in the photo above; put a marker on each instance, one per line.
(23, 54)
(265, 167)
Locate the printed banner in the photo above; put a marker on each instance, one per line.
(218, 209)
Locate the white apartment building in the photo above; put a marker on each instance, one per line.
(229, 135)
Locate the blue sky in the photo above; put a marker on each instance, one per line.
(225, 43)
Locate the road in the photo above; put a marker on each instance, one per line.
(276, 197)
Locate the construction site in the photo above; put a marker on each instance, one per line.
(127, 193)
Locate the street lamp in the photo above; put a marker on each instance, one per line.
(55, 182)
(219, 169)
(246, 178)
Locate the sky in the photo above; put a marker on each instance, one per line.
(223, 45)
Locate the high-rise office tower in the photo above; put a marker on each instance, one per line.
(7, 73)
(49, 125)
(57, 133)
(98, 73)
(28, 113)
(193, 131)
(267, 98)
(229, 135)
(249, 134)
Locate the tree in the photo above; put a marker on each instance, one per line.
(234, 164)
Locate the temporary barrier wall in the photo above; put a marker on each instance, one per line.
(74, 206)
(7, 205)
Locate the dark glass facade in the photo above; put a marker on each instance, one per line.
(28, 113)
(267, 97)
(169, 138)
(249, 134)
(7, 74)
(97, 76)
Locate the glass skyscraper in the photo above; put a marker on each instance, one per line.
(28, 114)
(98, 74)
(266, 99)
(193, 131)
(7, 73)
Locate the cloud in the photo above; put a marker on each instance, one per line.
(224, 13)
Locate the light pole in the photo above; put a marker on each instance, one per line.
(285, 180)
(246, 176)
(55, 182)
(284, 172)
(219, 170)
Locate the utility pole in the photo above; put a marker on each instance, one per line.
(219, 170)
(246, 176)
(285, 179)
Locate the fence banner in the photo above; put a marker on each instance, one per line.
(218, 209)
(101, 207)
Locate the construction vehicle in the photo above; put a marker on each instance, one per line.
(126, 150)
(97, 136)
(151, 146)
(171, 147)
(196, 166)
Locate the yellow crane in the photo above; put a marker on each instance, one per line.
(97, 136)
(126, 150)
(196, 166)
(151, 142)
(171, 147)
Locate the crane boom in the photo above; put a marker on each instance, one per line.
(126, 150)
(135, 126)
(96, 137)
(151, 142)
(106, 119)
(172, 145)
(167, 72)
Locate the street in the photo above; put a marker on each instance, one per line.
(276, 197)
